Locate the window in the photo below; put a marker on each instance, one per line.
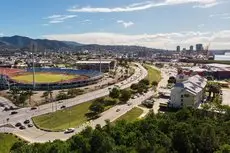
(186, 95)
(182, 100)
(182, 96)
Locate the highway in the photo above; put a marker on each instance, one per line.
(36, 135)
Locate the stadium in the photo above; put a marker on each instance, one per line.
(47, 78)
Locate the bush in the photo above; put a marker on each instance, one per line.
(114, 93)
(62, 96)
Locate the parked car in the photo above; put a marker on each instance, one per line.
(26, 121)
(30, 125)
(22, 127)
(18, 124)
(14, 112)
(69, 130)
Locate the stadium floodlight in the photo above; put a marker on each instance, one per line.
(100, 59)
(33, 50)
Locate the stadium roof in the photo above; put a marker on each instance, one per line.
(93, 62)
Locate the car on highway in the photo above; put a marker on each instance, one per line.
(14, 112)
(63, 107)
(118, 110)
(2, 105)
(18, 124)
(30, 125)
(22, 127)
(33, 108)
(26, 121)
(69, 130)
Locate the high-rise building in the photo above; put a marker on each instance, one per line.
(199, 47)
(191, 48)
(178, 48)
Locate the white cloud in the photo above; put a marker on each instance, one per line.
(145, 5)
(200, 25)
(59, 18)
(221, 15)
(225, 17)
(86, 21)
(1, 34)
(45, 24)
(55, 21)
(219, 40)
(125, 24)
(206, 5)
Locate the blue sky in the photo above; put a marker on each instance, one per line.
(152, 23)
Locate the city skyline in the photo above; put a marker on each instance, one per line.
(157, 23)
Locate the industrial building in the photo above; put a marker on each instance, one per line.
(217, 71)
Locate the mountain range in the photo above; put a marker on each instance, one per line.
(20, 42)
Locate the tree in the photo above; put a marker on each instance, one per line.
(30, 93)
(224, 149)
(74, 92)
(181, 138)
(125, 95)
(145, 82)
(48, 95)
(213, 88)
(61, 96)
(172, 79)
(114, 93)
(45, 95)
(23, 96)
(155, 83)
(14, 94)
(134, 86)
(96, 108)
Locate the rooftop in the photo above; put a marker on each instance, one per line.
(93, 62)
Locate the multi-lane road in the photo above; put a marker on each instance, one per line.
(36, 135)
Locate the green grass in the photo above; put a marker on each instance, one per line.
(60, 120)
(153, 74)
(131, 115)
(43, 77)
(6, 142)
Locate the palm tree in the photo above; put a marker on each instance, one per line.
(50, 93)
(213, 88)
(45, 95)
(14, 94)
(30, 93)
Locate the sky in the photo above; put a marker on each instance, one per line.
(151, 23)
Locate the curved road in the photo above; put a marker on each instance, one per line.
(36, 135)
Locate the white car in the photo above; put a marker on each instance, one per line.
(69, 130)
